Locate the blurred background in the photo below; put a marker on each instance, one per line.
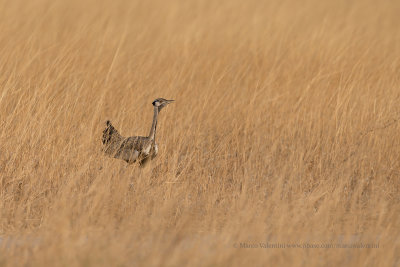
(284, 130)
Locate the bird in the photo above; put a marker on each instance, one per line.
(135, 148)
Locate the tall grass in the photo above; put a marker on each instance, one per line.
(285, 130)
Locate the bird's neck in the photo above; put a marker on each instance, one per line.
(152, 133)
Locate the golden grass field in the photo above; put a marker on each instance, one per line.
(285, 130)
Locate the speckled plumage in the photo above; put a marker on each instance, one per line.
(135, 148)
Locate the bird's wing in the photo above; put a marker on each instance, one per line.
(128, 151)
(131, 156)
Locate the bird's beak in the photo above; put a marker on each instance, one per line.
(170, 101)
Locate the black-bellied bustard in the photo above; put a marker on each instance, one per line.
(135, 148)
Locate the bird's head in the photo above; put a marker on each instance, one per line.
(161, 102)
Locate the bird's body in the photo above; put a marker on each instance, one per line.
(135, 148)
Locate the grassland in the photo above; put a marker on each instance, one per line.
(285, 130)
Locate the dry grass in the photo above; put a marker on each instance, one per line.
(284, 131)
